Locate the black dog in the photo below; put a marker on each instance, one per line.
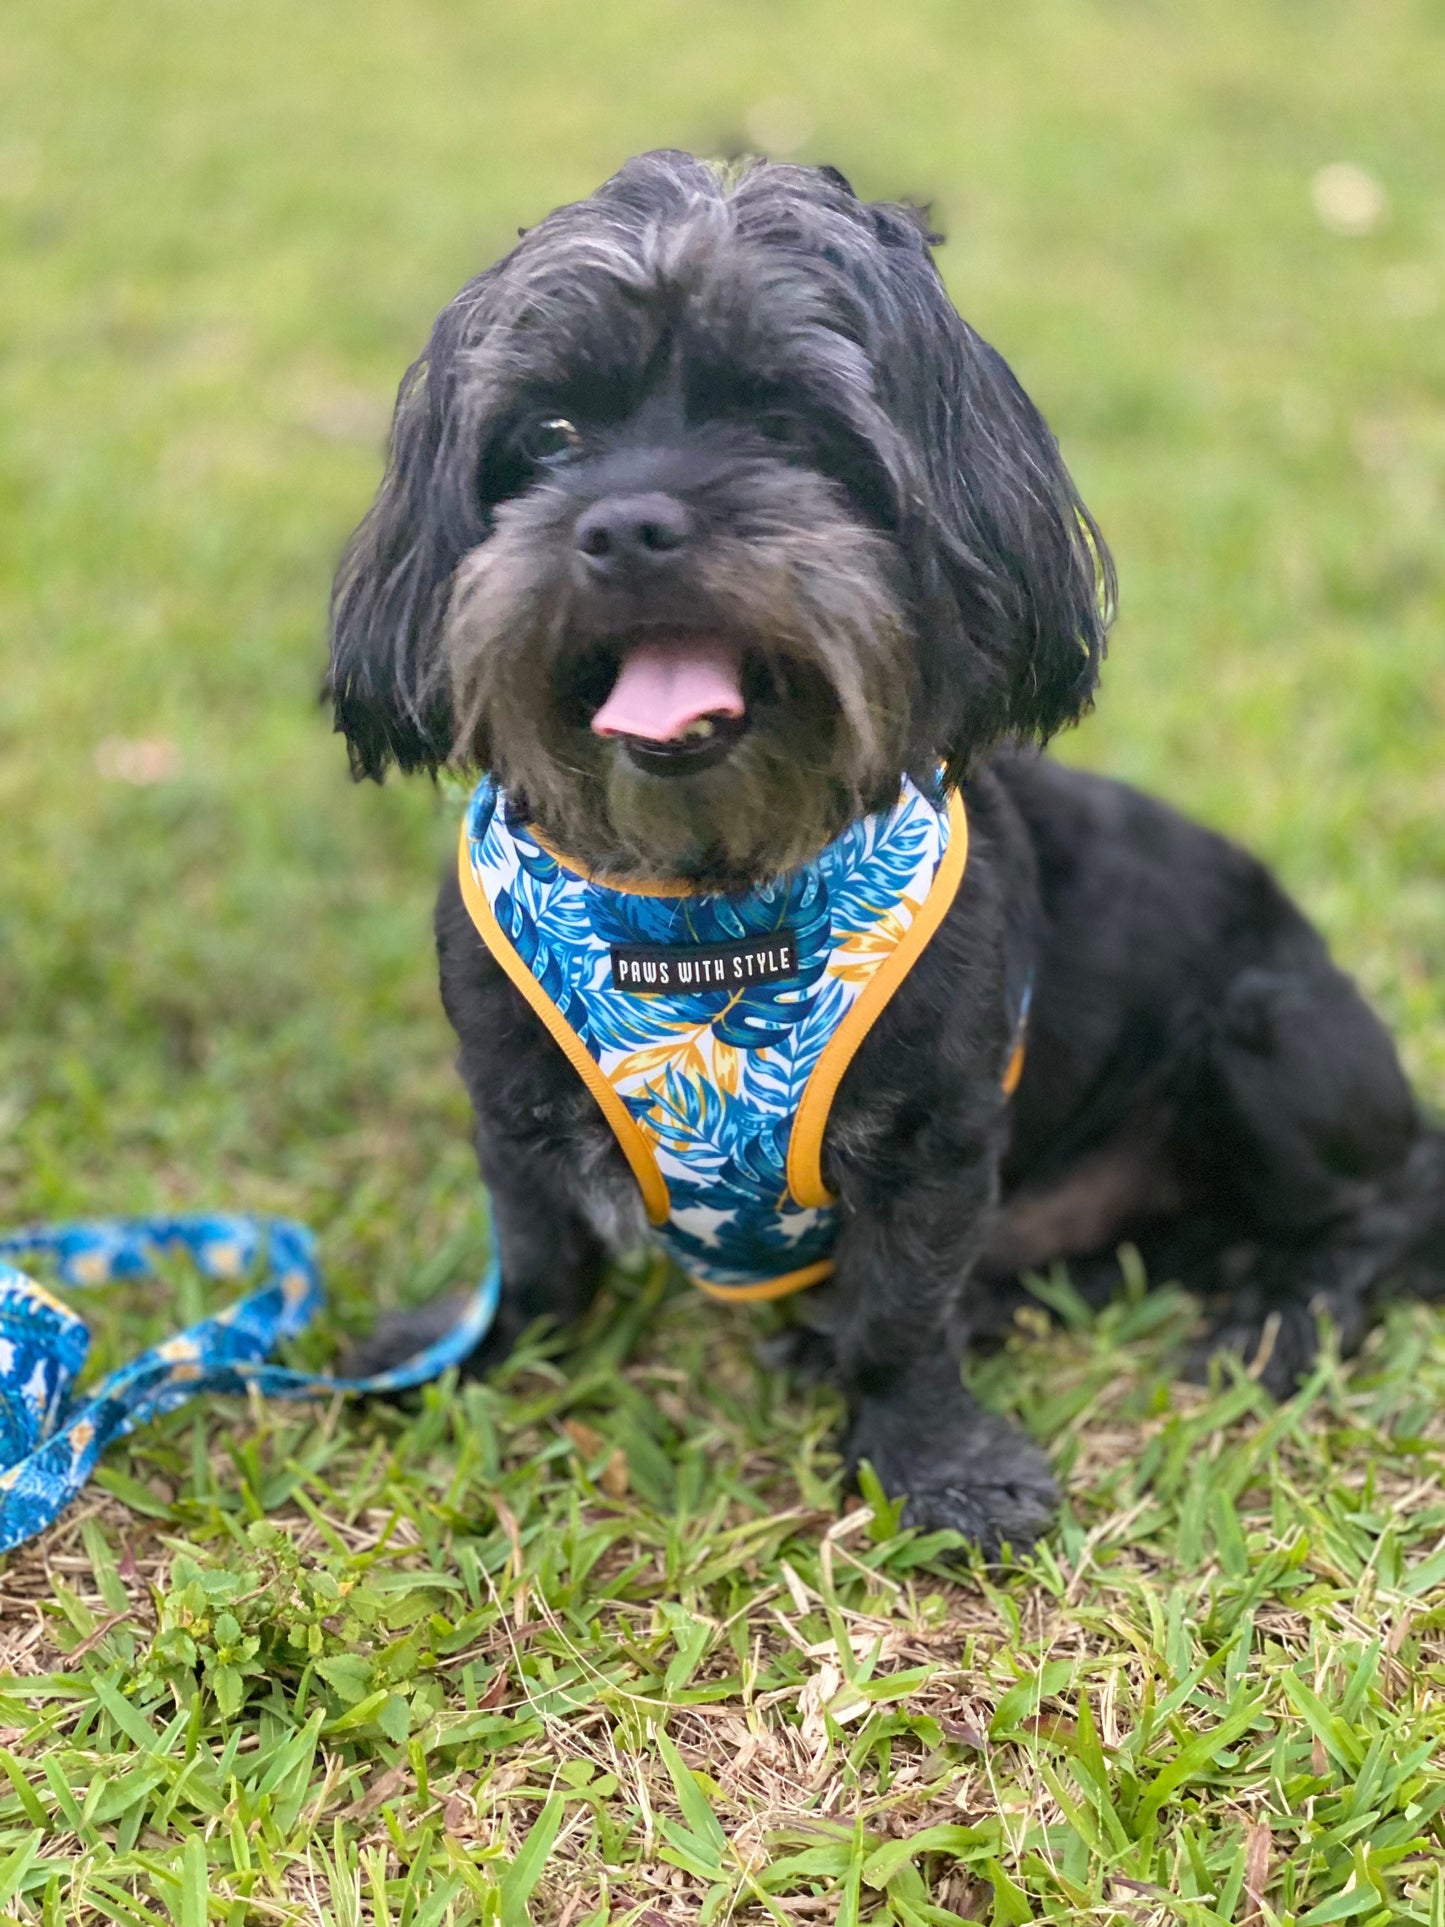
(728, 420)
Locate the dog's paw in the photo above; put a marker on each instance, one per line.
(1277, 1348)
(960, 1469)
(1276, 1335)
(1012, 1514)
(399, 1335)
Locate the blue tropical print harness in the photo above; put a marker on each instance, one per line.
(714, 1029)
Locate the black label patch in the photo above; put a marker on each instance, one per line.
(660, 969)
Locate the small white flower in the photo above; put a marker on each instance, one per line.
(1348, 200)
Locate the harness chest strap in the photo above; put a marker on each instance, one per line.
(687, 1097)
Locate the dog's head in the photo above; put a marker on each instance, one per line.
(706, 519)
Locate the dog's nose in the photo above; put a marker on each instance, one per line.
(626, 534)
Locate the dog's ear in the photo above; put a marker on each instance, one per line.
(1015, 551)
(387, 679)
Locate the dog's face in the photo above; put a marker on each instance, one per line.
(706, 519)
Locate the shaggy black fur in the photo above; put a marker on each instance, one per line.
(838, 475)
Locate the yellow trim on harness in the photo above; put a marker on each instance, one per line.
(782, 1287)
(1015, 1070)
(805, 1147)
(628, 886)
(635, 1147)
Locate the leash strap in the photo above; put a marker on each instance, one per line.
(50, 1441)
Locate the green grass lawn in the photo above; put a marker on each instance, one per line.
(593, 1643)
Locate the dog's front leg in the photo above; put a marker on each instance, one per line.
(902, 1271)
(551, 1263)
(552, 1260)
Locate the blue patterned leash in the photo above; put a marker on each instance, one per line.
(50, 1441)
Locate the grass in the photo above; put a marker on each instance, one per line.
(594, 1642)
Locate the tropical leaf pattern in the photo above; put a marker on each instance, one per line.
(713, 1078)
(51, 1436)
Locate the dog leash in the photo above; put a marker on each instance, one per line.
(50, 1440)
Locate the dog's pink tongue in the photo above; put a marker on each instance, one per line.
(664, 686)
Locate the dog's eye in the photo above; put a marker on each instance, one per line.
(552, 439)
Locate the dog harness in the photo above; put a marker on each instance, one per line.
(714, 1029)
